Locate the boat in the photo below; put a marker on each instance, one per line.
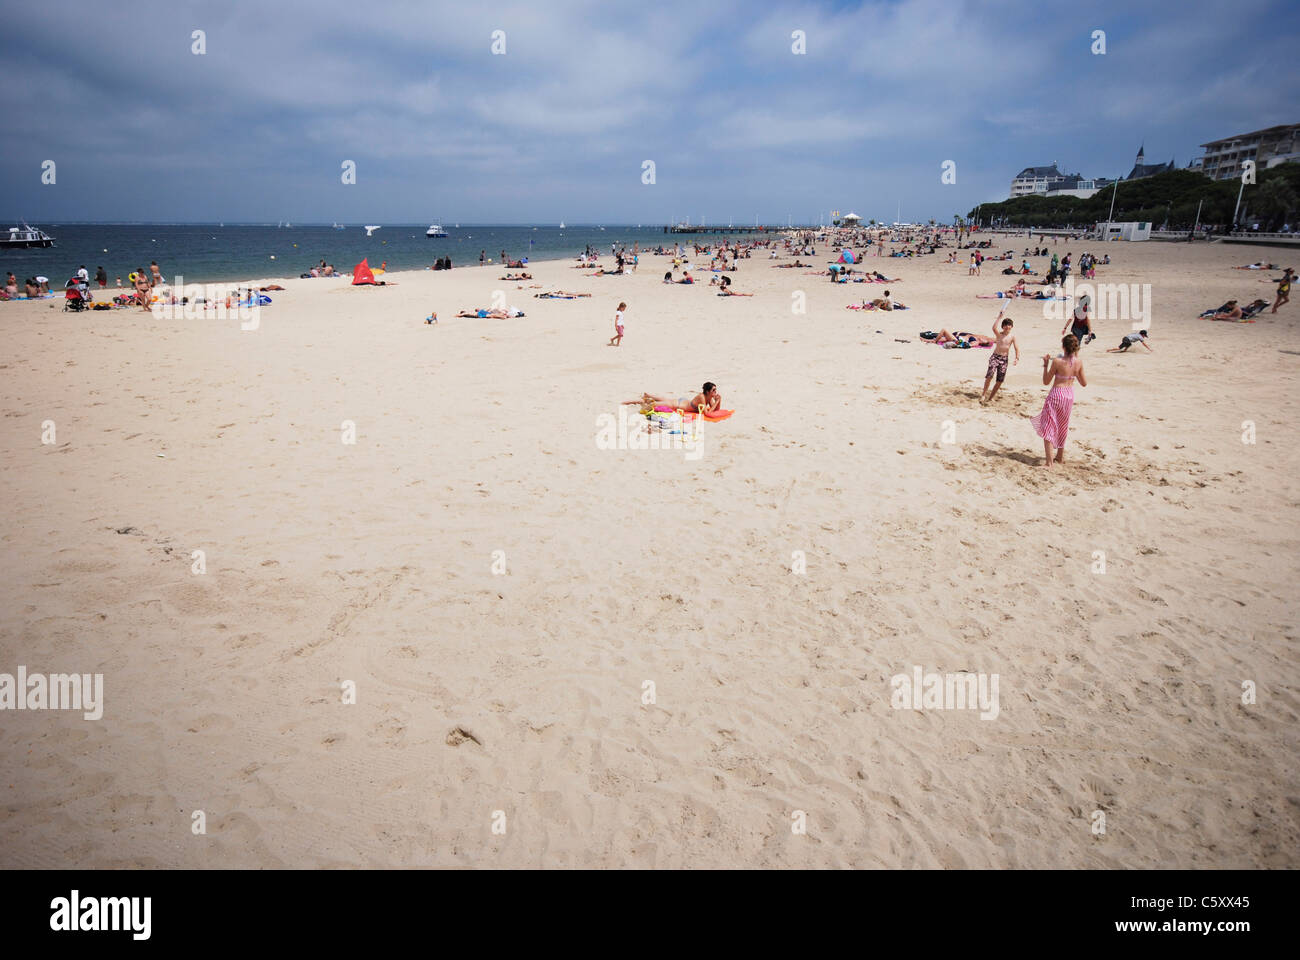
(371, 229)
(337, 226)
(25, 236)
(435, 230)
(561, 224)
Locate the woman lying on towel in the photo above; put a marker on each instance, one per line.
(522, 276)
(560, 295)
(708, 398)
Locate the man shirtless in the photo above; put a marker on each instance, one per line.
(1003, 342)
(708, 398)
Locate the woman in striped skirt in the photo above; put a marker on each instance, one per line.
(1053, 421)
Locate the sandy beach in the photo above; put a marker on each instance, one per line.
(569, 656)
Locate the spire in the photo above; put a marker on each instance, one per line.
(1142, 152)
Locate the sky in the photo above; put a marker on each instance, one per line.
(560, 122)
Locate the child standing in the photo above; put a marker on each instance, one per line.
(617, 339)
(1004, 341)
(1053, 422)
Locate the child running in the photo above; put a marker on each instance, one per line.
(1053, 422)
(617, 339)
(1003, 342)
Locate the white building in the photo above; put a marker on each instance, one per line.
(1125, 230)
(1038, 180)
(1267, 147)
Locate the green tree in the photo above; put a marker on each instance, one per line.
(1275, 200)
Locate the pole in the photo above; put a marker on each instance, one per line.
(1111, 216)
(1238, 206)
(1197, 225)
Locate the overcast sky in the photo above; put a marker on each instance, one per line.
(559, 125)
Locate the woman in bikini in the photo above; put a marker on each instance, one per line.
(709, 399)
(1053, 422)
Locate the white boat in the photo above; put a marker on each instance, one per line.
(25, 236)
(370, 230)
(561, 224)
(337, 226)
(435, 230)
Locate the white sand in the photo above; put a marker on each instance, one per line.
(372, 563)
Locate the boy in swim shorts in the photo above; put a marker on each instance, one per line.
(617, 339)
(1003, 342)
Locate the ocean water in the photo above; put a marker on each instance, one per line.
(207, 253)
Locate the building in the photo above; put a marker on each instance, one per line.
(1124, 230)
(1078, 187)
(1268, 147)
(1142, 169)
(1038, 180)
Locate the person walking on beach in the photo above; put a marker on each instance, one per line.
(482, 257)
(617, 339)
(1052, 423)
(1283, 289)
(1003, 342)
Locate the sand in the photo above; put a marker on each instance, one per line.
(501, 718)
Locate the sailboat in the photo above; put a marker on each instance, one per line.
(561, 224)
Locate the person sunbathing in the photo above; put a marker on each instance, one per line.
(1258, 265)
(961, 336)
(494, 314)
(1229, 311)
(560, 295)
(726, 291)
(708, 398)
(522, 276)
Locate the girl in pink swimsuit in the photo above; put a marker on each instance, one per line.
(1053, 421)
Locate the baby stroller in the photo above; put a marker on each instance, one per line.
(76, 296)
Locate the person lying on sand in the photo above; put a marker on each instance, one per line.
(790, 266)
(561, 295)
(494, 314)
(522, 276)
(963, 336)
(728, 292)
(1259, 265)
(709, 399)
(1229, 311)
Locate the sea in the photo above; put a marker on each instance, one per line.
(213, 252)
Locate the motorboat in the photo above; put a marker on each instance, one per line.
(435, 230)
(370, 230)
(25, 236)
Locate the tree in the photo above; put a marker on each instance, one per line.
(1275, 200)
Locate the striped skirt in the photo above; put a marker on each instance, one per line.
(1053, 422)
